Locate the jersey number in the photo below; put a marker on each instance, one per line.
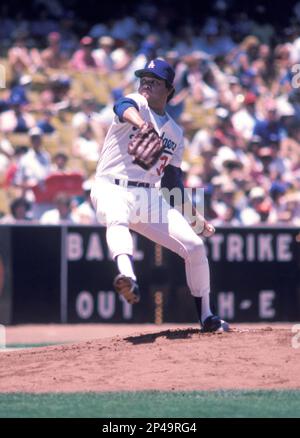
(163, 162)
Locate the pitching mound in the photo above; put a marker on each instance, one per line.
(166, 360)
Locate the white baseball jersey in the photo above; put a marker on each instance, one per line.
(114, 158)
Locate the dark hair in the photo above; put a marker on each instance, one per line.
(18, 202)
(170, 87)
(63, 199)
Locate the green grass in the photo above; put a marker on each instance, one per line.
(152, 404)
(40, 344)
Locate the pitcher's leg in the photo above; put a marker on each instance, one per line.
(119, 239)
(175, 234)
(112, 204)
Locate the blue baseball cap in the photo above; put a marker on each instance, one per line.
(159, 68)
(278, 187)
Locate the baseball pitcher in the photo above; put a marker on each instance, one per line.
(140, 159)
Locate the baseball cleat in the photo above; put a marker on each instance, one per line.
(214, 324)
(128, 288)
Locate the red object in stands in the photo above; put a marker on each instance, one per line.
(68, 183)
(9, 175)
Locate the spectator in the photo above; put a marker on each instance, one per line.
(226, 199)
(186, 44)
(123, 56)
(61, 214)
(6, 154)
(69, 40)
(56, 96)
(52, 56)
(33, 168)
(246, 118)
(278, 190)
(19, 212)
(84, 213)
(273, 166)
(14, 164)
(225, 134)
(230, 216)
(124, 27)
(17, 118)
(105, 117)
(206, 168)
(86, 145)
(146, 53)
(241, 56)
(103, 55)
(59, 163)
(20, 58)
(83, 59)
(270, 124)
(45, 123)
(176, 105)
(212, 42)
(290, 146)
(201, 92)
(98, 30)
(87, 112)
(289, 210)
(21, 89)
(202, 138)
(259, 208)
(89, 117)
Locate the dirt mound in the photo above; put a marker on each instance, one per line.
(166, 360)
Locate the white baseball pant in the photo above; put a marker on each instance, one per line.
(117, 206)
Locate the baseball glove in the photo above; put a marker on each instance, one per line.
(146, 146)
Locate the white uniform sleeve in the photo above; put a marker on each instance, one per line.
(139, 99)
(141, 102)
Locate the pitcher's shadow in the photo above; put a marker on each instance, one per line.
(149, 338)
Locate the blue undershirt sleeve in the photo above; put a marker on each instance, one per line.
(172, 178)
(121, 106)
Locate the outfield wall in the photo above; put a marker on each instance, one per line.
(64, 274)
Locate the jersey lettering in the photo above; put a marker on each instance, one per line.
(168, 143)
(163, 162)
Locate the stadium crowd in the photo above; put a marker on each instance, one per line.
(237, 97)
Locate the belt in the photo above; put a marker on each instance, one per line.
(127, 183)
